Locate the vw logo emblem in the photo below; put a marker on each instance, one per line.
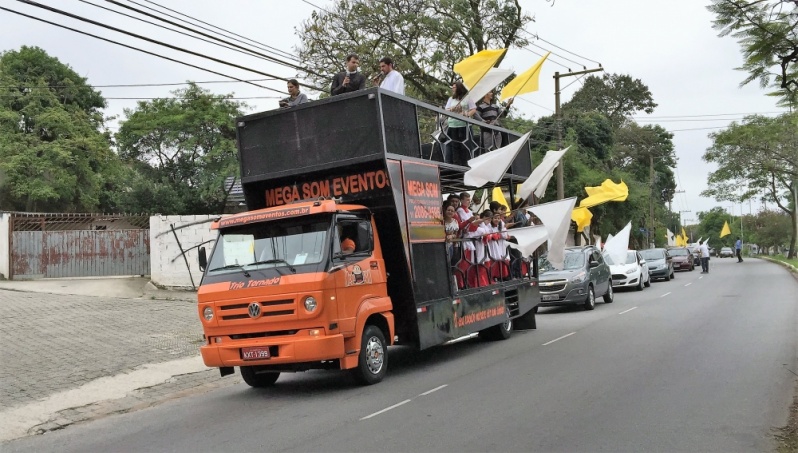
(254, 310)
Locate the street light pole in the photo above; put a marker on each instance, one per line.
(558, 117)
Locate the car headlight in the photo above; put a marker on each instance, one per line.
(631, 271)
(579, 278)
(207, 313)
(310, 303)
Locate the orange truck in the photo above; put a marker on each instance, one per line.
(343, 252)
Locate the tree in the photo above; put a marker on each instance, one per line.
(710, 224)
(767, 31)
(769, 228)
(54, 154)
(184, 146)
(425, 38)
(618, 96)
(758, 158)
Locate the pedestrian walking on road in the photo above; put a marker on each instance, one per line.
(738, 247)
(704, 248)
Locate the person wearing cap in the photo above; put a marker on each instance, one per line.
(347, 246)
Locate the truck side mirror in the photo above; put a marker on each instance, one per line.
(203, 259)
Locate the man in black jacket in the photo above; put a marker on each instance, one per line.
(349, 80)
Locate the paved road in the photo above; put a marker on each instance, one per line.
(701, 363)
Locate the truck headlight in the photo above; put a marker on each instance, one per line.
(310, 303)
(207, 313)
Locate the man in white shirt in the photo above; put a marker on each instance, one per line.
(704, 248)
(391, 79)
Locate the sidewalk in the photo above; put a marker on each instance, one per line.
(77, 343)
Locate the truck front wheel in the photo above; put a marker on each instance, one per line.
(372, 363)
(256, 379)
(499, 332)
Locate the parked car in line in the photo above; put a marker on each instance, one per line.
(712, 251)
(660, 264)
(632, 273)
(682, 259)
(584, 277)
(726, 252)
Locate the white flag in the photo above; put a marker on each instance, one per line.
(671, 238)
(529, 238)
(491, 166)
(489, 81)
(618, 245)
(539, 179)
(556, 217)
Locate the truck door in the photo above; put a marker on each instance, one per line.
(362, 275)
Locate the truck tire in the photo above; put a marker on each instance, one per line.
(258, 380)
(498, 332)
(590, 302)
(372, 362)
(527, 321)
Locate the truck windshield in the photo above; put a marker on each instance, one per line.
(273, 244)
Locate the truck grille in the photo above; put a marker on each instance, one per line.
(268, 309)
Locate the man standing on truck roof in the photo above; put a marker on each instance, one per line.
(390, 79)
(348, 80)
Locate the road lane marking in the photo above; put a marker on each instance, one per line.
(558, 339)
(665, 294)
(433, 390)
(385, 410)
(689, 284)
(627, 311)
(700, 277)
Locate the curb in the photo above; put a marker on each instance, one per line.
(789, 266)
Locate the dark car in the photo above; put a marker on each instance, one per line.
(585, 276)
(682, 259)
(659, 263)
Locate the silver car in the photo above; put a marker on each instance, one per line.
(585, 276)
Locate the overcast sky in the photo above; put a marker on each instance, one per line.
(670, 46)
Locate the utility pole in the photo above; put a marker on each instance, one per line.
(557, 115)
(651, 199)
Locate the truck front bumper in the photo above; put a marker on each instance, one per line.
(298, 348)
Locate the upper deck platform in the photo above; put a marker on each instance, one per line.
(358, 130)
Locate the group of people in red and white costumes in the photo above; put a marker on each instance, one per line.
(482, 240)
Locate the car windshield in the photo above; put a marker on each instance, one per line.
(678, 252)
(631, 258)
(271, 244)
(653, 254)
(573, 260)
(726, 249)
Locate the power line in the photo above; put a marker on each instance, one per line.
(530, 102)
(541, 55)
(712, 114)
(696, 129)
(132, 85)
(154, 41)
(563, 49)
(137, 49)
(264, 46)
(246, 52)
(265, 56)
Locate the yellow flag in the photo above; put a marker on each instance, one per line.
(525, 82)
(582, 218)
(473, 68)
(498, 195)
(726, 230)
(607, 191)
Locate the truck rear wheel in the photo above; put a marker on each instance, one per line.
(372, 362)
(256, 379)
(499, 332)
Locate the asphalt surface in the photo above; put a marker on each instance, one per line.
(701, 363)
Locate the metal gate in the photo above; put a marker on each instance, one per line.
(61, 245)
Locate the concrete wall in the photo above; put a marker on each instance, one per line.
(5, 246)
(167, 266)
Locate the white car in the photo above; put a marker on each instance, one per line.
(631, 274)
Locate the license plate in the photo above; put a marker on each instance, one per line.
(552, 297)
(257, 353)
